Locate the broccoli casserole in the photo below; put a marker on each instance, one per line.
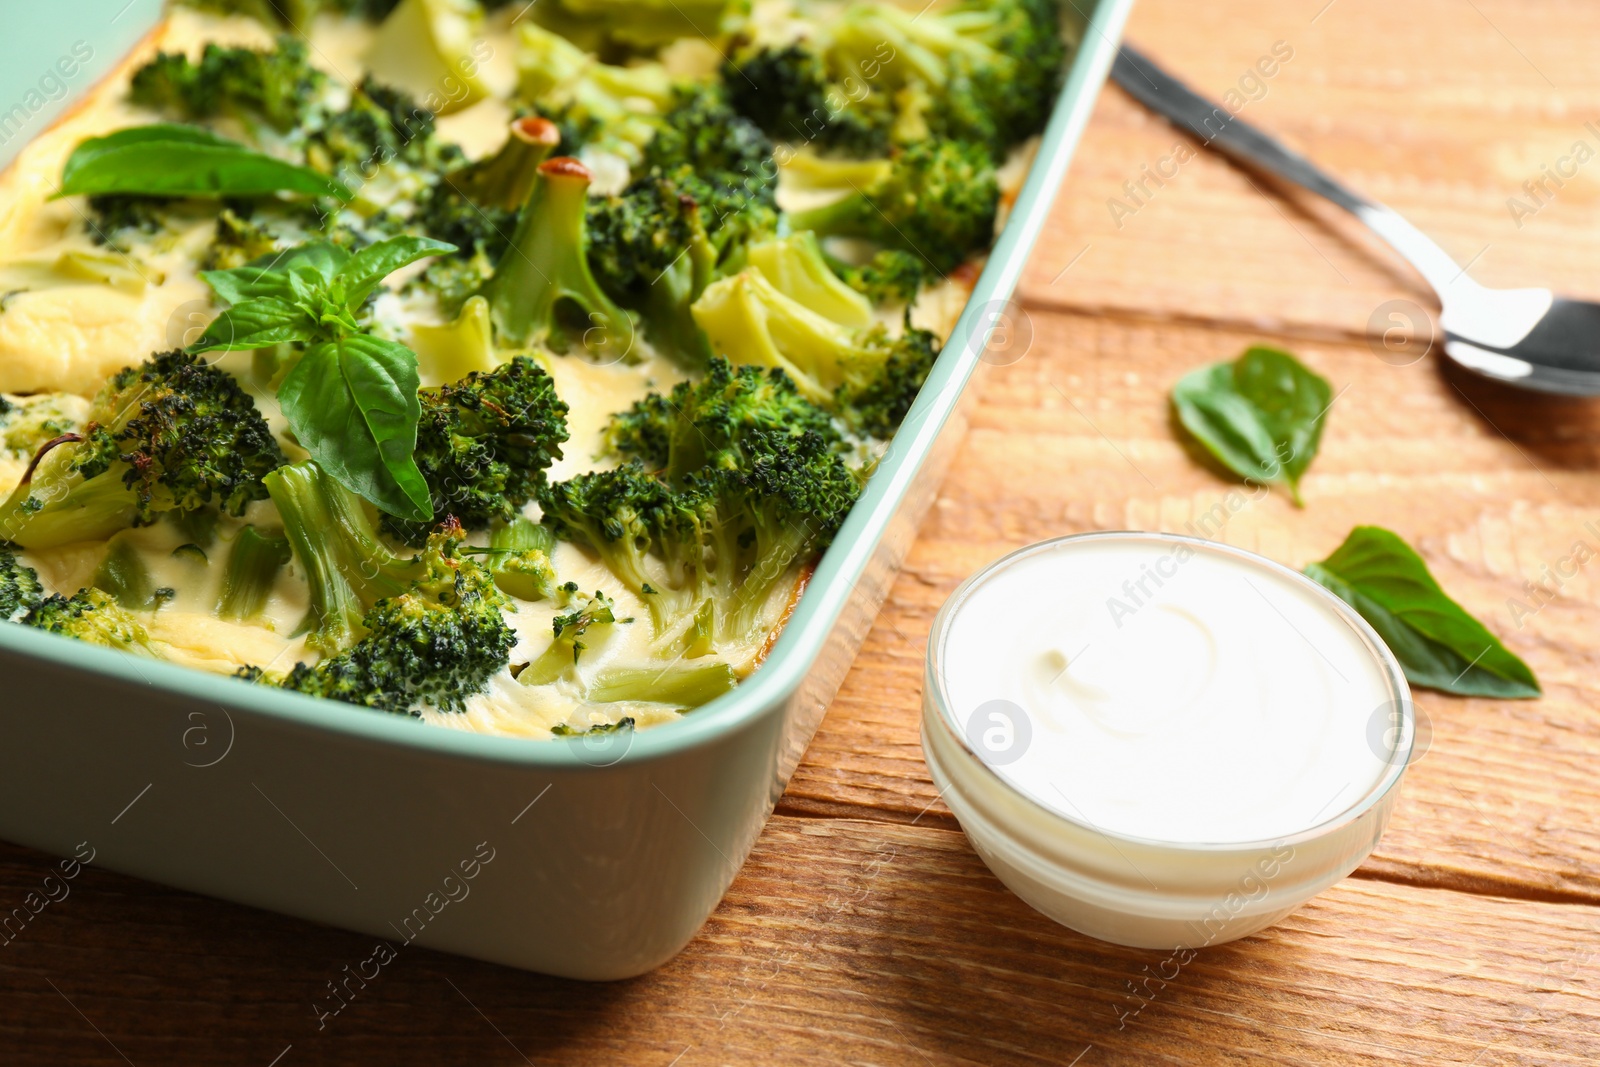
(507, 367)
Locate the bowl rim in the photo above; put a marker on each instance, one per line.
(936, 698)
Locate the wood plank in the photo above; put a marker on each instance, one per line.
(1440, 109)
(841, 942)
(1076, 436)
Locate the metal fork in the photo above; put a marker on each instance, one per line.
(1530, 338)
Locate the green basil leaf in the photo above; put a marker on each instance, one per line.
(1261, 416)
(370, 266)
(1436, 641)
(175, 160)
(353, 405)
(255, 323)
(269, 275)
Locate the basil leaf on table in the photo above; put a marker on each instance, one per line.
(1261, 416)
(168, 159)
(1438, 644)
(352, 403)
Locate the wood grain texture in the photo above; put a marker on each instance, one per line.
(842, 941)
(1440, 108)
(1076, 436)
(864, 929)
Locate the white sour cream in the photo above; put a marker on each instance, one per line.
(1167, 690)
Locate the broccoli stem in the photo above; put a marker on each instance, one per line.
(123, 574)
(552, 663)
(56, 505)
(779, 542)
(750, 320)
(684, 686)
(668, 321)
(696, 639)
(561, 657)
(519, 559)
(505, 179)
(796, 267)
(253, 567)
(547, 267)
(337, 547)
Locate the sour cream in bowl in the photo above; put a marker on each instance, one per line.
(1162, 741)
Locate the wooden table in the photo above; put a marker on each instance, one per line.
(864, 929)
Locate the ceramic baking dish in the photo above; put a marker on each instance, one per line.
(589, 858)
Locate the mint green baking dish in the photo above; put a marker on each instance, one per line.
(587, 858)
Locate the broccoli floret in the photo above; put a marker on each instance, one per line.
(253, 565)
(785, 504)
(704, 151)
(798, 268)
(706, 193)
(568, 644)
(876, 405)
(277, 86)
(92, 615)
(706, 541)
(1006, 88)
(709, 423)
(481, 233)
(876, 74)
(119, 221)
(751, 320)
(936, 198)
(436, 643)
(20, 588)
(239, 239)
(379, 126)
(790, 93)
(623, 514)
(409, 119)
(546, 272)
(701, 131)
(876, 389)
(889, 277)
(174, 433)
(337, 549)
(648, 248)
(484, 443)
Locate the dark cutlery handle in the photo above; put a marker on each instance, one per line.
(1166, 95)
